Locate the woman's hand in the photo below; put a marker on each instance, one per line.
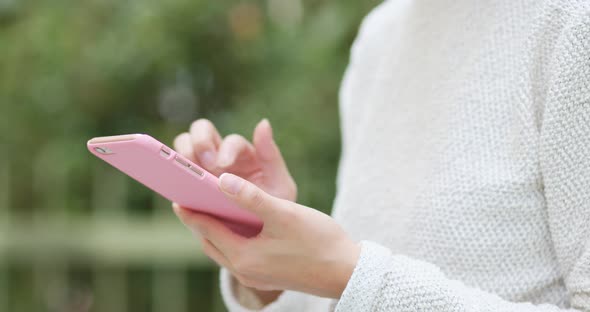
(260, 163)
(299, 248)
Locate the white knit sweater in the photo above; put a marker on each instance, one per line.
(466, 159)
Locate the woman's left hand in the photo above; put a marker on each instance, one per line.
(298, 249)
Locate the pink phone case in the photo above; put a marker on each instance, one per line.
(176, 178)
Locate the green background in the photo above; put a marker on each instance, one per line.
(77, 236)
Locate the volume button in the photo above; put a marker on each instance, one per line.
(197, 171)
(165, 152)
(187, 165)
(182, 161)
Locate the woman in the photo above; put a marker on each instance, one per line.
(465, 172)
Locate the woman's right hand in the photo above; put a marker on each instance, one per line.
(259, 162)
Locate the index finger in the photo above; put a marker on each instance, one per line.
(237, 155)
(205, 139)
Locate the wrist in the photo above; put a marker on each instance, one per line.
(265, 296)
(341, 271)
(353, 253)
(252, 298)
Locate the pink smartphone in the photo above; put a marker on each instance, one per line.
(176, 178)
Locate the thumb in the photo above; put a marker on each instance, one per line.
(249, 196)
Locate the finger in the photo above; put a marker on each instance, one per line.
(184, 146)
(252, 198)
(212, 252)
(273, 164)
(183, 215)
(264, 143)
(208, 248)
(236, 150)
(215, 231)
(205, 140)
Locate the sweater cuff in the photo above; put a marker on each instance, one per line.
(364, 283)
(581, 300)
(285, 302)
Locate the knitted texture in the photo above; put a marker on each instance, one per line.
(466, 159)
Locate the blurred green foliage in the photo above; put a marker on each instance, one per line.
(72, 70)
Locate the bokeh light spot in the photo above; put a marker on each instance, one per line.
(245, 21)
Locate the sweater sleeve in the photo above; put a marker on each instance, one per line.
(565, 157)
(383, 281)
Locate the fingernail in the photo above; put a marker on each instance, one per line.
(230, 183)
(207, 158)
(224, 161)
(266, 123)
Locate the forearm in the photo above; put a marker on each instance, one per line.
(386, 282)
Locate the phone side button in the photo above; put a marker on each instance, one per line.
(182, 161)
(197, 171)
(165, 152)
(185, 163)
